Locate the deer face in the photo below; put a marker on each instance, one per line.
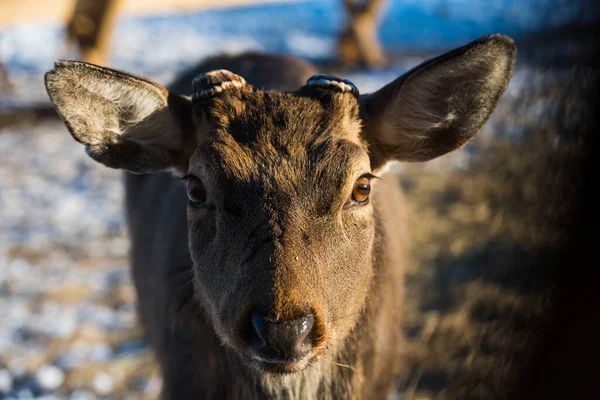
(280, 220)
(281, 186)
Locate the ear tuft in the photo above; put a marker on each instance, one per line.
(333, 83)
(213, 82)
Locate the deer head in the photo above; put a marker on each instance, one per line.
(281, 224)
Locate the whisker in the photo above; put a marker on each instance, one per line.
(358, 375)
(346, 316)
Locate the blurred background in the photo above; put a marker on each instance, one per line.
(496, 225)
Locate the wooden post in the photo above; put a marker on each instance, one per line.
(90, 28)
(359, 43)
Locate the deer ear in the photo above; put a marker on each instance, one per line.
(438, 106)
(123, 120)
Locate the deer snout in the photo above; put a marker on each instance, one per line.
(281, 341)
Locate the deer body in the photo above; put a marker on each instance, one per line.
(283, 275)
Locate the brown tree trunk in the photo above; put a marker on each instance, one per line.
(359, 43)
(90, 28)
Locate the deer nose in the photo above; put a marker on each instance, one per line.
(282, 341)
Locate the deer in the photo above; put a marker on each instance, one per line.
(268, 243)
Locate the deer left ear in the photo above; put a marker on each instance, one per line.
(124, 121)
(438, 106)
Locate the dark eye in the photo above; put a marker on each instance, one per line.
(360, 192)
(195, 191)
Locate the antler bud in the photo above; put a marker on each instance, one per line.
(213, 82)
(333, 83)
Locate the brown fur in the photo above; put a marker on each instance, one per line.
(275, 235)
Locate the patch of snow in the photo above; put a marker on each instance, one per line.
(103, 383)
(6, 381)
(50, 377)
(307, 46)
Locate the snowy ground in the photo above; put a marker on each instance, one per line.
(65, 294)
(67, 321)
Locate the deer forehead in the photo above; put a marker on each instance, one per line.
(291, 119)
(263, 133)
(288, 167)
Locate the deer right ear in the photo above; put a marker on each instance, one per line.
(124, 121)
(439, 105)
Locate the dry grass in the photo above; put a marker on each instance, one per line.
(485, 245)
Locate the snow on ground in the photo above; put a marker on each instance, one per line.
(62, 260)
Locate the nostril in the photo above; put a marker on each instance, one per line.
(260, 329)
(259, 324)
(303, 327)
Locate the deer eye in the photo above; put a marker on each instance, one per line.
(360, 192)
(195, 191)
